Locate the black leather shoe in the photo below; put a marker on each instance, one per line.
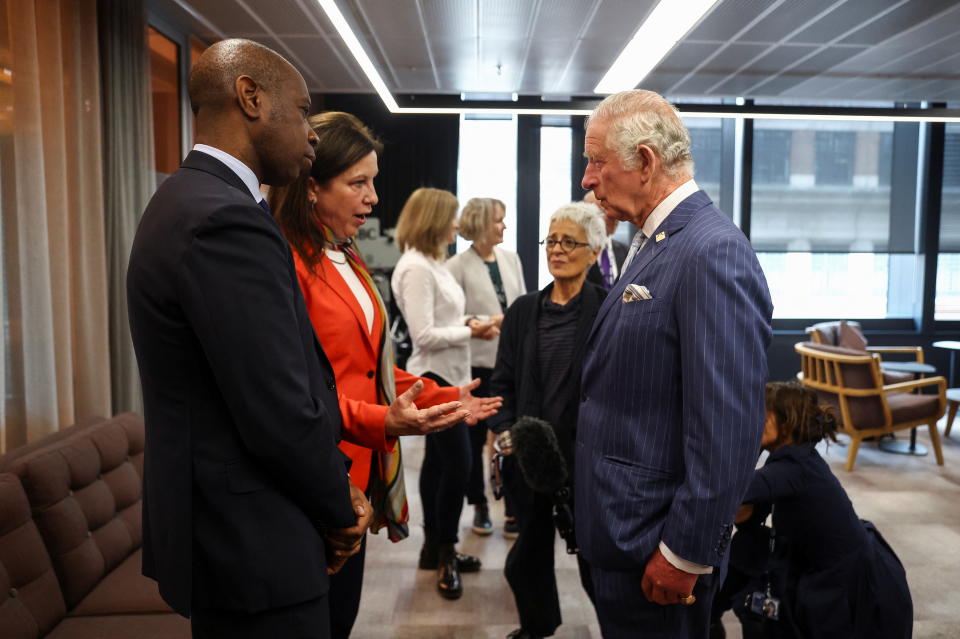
(448, 573)
(429, 560)
(481, 520)
(511, 528)
(520, 633)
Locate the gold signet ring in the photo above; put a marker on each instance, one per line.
(688, 600)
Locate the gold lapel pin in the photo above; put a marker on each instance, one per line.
(662, 235)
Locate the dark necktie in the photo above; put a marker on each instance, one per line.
(266, 207)
(605, 269)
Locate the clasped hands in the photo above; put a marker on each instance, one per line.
(485, 329)
(404, 418)
(343, 543)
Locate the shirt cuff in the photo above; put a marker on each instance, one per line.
(682, 564)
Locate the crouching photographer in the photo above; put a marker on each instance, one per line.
(537, 373)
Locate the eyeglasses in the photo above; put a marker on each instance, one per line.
(566, 244)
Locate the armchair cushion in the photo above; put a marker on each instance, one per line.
(851, 337)
(907, 407)
(896, 377)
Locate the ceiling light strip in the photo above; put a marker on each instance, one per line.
(366, 64)
(664, 27)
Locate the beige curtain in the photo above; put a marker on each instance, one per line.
(56, 367)
(129, 176)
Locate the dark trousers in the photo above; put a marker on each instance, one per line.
(345, 589)
(529, 567)
(307, 620)
(624, 611)
(443, 479)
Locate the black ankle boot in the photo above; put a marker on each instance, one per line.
(448, 573)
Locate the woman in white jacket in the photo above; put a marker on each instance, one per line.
(432, 304)
(491, 278)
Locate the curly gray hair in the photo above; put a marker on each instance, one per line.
(585, 216)
(644, 117)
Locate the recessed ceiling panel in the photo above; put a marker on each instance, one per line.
(845, 17)
(730, 58)
(728, 18)
(446, 18)
(687, 55)
(778, 59)
(900, 19)
(284, 17)
(787, 17)
(918, 60)
(325, 66)
(231, 20)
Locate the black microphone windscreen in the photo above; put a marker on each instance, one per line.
(538, 454)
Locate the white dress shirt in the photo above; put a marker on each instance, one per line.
(657, 216)
(433, 305)
(243, 171)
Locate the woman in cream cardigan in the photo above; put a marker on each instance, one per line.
(491, 278)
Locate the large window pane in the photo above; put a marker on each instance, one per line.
(948, 265)
(706, 147)
(827, 285)
(556, 145)
(487, 167)
(821, 186)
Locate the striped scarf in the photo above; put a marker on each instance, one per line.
(387, 492)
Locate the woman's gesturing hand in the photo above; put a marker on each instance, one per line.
(404, 418)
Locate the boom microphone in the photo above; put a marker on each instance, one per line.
(544, 468)
(537, 452)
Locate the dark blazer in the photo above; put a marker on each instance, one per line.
(516, 375)
(841, 578)
(620, 251)
(672, 401)
(242, 470)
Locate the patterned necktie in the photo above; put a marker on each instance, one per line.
(605, 269)
(639, 239)
(266, 207)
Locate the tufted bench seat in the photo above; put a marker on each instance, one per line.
(70, 537)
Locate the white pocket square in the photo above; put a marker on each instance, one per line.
(635, 293)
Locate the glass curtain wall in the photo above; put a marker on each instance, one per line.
(948, 264)
(821, 216)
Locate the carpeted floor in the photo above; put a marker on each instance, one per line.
(914, 503)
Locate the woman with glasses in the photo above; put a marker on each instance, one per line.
(491, 278)
(537, 373)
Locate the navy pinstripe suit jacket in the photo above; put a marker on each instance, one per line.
(672, 403)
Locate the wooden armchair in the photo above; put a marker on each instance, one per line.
(852, 382)
(849, 335)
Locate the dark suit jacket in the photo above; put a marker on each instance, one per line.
(242, 470)
(620, 251)
(516, 375)
(672, 402)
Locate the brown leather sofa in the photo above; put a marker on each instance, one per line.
(70, 538)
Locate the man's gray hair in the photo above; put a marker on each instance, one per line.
(585, 216)
(644, 117)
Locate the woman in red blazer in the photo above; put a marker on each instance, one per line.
(320, 214)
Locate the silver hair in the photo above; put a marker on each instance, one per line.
(585, 216)
(644, 117)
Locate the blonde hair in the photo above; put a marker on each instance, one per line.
(477, 215)
(644, 117)
(425, 221)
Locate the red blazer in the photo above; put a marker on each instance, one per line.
(353, 352)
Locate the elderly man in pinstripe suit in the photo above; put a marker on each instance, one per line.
(672, 396)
